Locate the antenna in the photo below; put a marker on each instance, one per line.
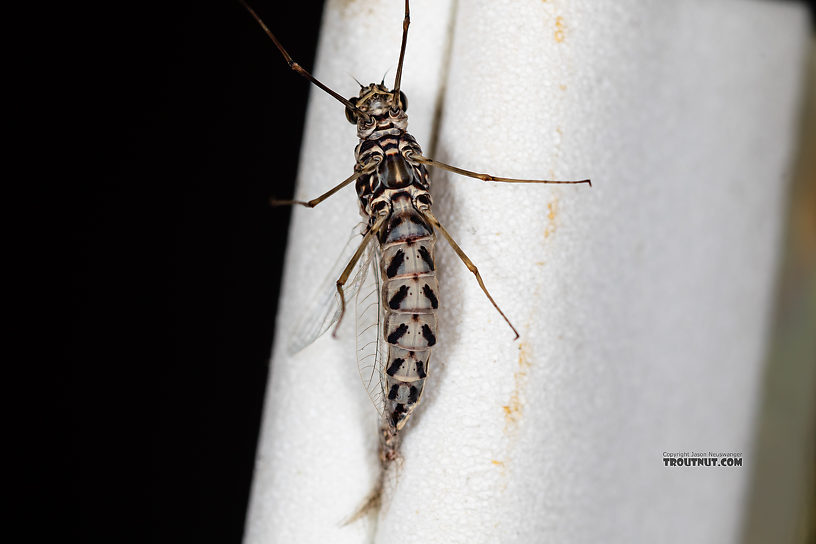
(406, 21)
(299, 69)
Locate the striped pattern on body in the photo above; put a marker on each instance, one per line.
(393, 184)
(409, 298)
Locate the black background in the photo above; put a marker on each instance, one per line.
(175, 259)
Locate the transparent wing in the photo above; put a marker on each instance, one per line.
(370, 343)
(324, 309)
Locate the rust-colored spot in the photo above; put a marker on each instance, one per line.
(497, 462)
(552, 212)
(524, 356)
(514, 408)
(559, 29)
(512, 412)
(562, 87)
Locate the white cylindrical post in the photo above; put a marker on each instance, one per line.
(317, 455)
(643, 303)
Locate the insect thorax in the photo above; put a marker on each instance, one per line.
(384, 157)
(383, 154)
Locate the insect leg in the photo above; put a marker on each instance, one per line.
(483, 177)
(297, 67)
(315, 201)
(359, 171)
(472, 267)
(350, 266)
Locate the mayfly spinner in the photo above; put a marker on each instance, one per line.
(399, 232)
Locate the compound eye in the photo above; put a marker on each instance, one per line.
(402, 106)
(351, 115)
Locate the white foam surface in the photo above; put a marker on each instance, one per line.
(643, 303)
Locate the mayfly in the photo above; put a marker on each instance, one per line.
(399, 325)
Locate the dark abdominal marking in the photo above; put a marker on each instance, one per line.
(420, 367)
(398, 297)
(394, 366)
(423, 252)
(399, 333)
(429, 294)
(428, 335)
(395, 263)
(392, 394)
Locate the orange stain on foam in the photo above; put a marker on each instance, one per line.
(552, 213)
(514, 408)
(559, 29)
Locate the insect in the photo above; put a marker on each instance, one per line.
(397, 325)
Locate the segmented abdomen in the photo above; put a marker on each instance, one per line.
(409, 292)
